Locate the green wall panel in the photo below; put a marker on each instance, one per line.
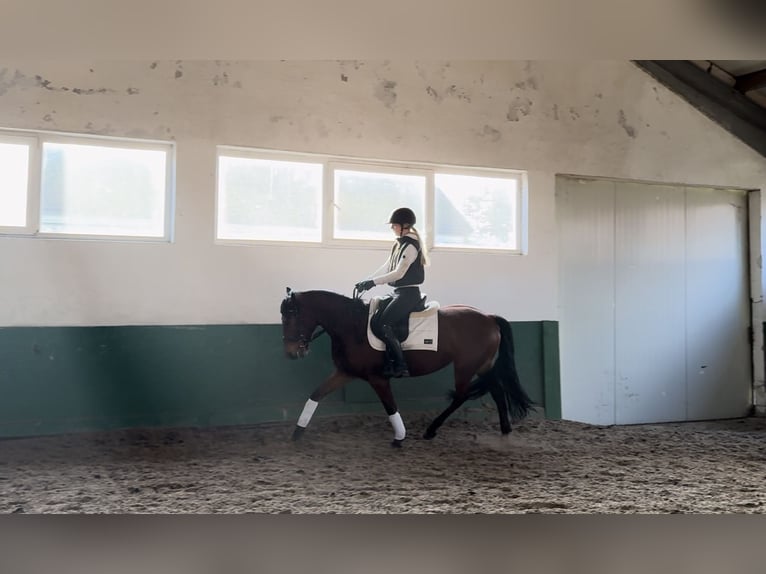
(72, 379)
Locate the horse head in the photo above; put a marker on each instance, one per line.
(297, 326)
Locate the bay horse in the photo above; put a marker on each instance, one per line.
(478, 345)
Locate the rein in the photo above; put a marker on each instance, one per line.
(318, 334)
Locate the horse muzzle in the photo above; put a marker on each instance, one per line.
(296, 350)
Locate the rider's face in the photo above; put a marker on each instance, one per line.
(397, 229)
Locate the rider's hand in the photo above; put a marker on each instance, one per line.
(365, 285)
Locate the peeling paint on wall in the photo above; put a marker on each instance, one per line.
(459, 93)
(20, 79)
(528, 83)
(518, 106)
(386, 93)
(491, 133)
(90, 127)
(92, 91)
(5, 85)
(221, 80)
(622, 120)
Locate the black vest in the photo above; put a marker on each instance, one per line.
(415, 274)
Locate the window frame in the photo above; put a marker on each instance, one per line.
(331, 163)
(328, 219)
(34, 191)
(520, 224)
(33, 179)
(271, 155)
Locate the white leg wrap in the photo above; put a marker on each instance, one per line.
(396, 422)
(308, 412)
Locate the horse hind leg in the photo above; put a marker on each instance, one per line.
(457, 402)
(463, 392)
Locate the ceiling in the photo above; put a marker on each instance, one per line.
(730, 92)
(747, 77)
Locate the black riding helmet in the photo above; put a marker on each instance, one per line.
(402, 216)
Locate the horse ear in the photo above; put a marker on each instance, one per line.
(289, 291)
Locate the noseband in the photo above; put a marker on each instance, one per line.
(301, 339)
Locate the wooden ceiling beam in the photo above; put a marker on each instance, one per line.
(752, 81)
(726, 106)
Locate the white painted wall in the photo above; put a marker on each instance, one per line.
(605, 118)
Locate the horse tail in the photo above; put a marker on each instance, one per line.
(504, 370)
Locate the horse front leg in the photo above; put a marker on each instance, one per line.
(382, 387)
(332, 383)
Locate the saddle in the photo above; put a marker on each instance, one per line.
(419, 332)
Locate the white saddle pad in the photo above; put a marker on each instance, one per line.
(424, 329)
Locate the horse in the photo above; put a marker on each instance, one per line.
(476, 344)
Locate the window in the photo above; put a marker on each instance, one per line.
(81, 186)
(262, 198)
(283, 197)
(476, 212)
(364, 199)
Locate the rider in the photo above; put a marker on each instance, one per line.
(404, 271)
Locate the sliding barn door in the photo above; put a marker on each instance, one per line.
(654, 302)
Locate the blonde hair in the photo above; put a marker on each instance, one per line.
(423, 249)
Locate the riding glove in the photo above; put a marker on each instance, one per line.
(365, 285)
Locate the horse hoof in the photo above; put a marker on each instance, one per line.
(429, 434)
(397, 443)
(298, 432)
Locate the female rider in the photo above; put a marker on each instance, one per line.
(404, 271)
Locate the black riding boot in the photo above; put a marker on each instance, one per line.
(395, 365)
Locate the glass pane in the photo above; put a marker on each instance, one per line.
(93, 190)
(14, 170)
(364, 201)
(475, 211)
(269, 200)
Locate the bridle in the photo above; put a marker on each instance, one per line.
(302, 339)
